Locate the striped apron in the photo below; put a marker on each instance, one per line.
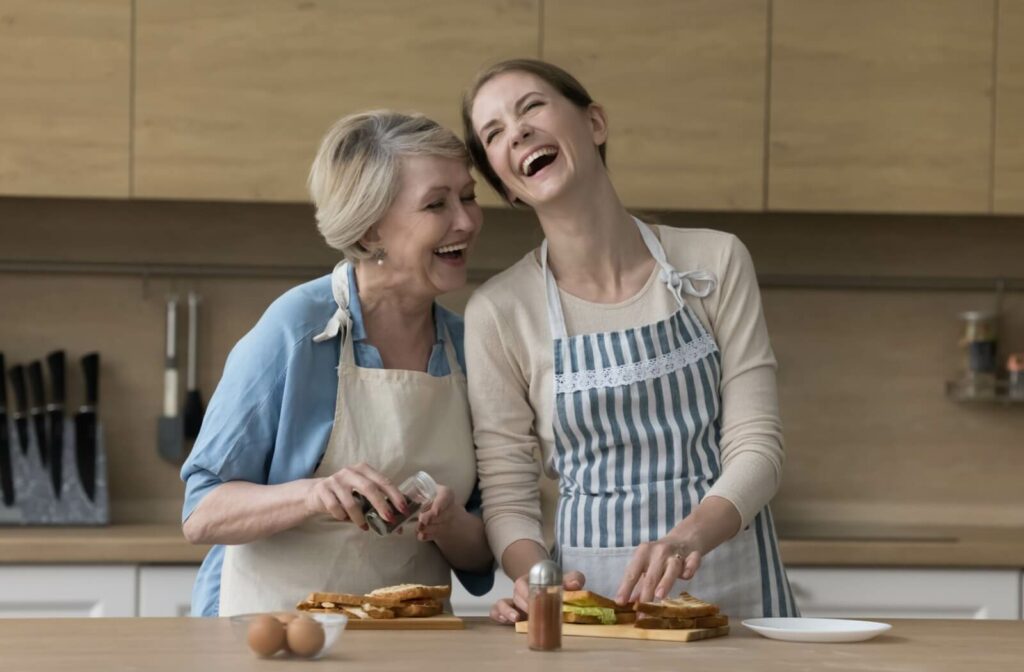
(636, 426)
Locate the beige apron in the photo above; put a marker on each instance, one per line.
(398, 422)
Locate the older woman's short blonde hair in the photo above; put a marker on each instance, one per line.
(356, 173)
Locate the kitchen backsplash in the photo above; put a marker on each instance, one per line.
(869, 434)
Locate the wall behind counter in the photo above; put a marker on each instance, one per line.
(870, 436)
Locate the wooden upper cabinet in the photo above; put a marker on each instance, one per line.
(881, 105)
(683, 82)
(64, 97)
(232, 97)
(1009, 161)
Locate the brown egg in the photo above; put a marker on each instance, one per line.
(266, 635)
(305, 637)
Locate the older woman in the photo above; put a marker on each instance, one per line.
(347, 385)
(635, 357)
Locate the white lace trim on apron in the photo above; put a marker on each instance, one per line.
(627, 374)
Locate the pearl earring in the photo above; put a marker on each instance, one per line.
(378, 256)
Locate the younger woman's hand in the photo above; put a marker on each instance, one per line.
(504, 611)
(654, 569)
(438, 516)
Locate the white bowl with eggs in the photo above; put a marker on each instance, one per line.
(289, 634)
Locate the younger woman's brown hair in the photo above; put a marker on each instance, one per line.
(559, 79)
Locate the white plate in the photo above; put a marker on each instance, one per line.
(816, 629)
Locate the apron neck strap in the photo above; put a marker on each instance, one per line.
(340, 323)
(677, 283)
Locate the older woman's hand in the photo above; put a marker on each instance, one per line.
(337, 495)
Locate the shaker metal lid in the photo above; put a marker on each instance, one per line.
(546, 573)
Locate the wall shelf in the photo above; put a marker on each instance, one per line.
(997, 393)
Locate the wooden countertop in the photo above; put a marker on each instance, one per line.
(803, 545)
(129, 544)
(88, 645)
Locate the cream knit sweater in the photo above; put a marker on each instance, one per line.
(509, 360)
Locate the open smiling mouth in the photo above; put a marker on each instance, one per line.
(451, 252)
(538, 160)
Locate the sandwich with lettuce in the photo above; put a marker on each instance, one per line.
(588, 608)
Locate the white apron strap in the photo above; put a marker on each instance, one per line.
(677, 283)
(341, 321)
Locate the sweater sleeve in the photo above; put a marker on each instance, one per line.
(751, 437)
(503, 429)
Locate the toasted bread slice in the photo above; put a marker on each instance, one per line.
(419, 609)
(350, 600)
(684, 606)
(658, 623)
(716, 621)
(586, 598)
(411, 591)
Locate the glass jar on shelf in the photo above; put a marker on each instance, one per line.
(978, 345)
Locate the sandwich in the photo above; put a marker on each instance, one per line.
(589, 608)
(401, 601)
(685, 612)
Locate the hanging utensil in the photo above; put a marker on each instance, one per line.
(193, 410)
(170, 440)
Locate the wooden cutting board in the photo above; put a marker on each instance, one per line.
(439, 622)
(627, 631)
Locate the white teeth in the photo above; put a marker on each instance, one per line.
(524, 167)
(451, 248)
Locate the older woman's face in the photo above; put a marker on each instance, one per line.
(538, 142)
(430, 229)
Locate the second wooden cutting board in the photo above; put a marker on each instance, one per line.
(627, 631)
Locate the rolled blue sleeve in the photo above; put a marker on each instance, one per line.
(239, 431)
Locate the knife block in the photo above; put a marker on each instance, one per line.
(35, 501)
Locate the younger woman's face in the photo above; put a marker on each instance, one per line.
(537, 141)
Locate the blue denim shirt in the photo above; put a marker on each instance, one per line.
(271, 415)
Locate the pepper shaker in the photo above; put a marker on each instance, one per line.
(544, 612)
(419, 491)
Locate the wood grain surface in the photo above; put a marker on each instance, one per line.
(158, 644)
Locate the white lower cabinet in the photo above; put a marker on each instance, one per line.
(166, 590)
(49, 591)
(907, 593)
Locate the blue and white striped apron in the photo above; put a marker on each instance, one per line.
(636, 425)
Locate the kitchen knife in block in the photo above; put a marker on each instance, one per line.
(37, 409)
(170, 439)
(193, 410)
(6, 468)
(20, 414)
(55, 361)
(85, 426)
